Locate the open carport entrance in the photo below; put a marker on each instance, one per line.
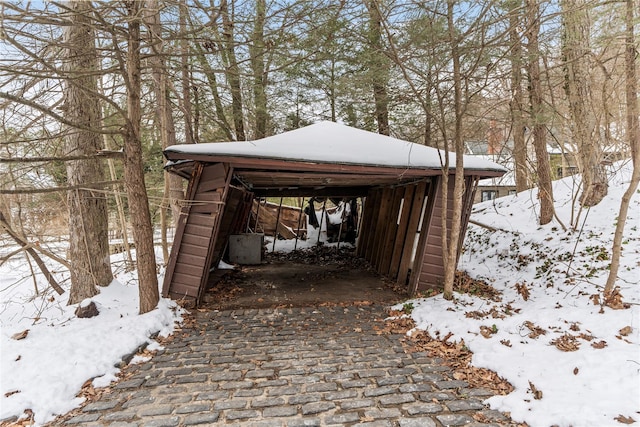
(399, 183)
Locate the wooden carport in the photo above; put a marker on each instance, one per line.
(400, 233)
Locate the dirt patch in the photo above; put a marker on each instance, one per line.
(314, 277)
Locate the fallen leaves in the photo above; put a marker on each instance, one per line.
(11, 393)
(523, 290)
(625, 331)
(614, 300)
(487, 331)
(20, 335)
(453, 354)
(465, 284)
(537, 394)
(566, 342)
(624, 420)
(599, 344)
(534, 331)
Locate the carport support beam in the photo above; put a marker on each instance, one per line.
(324, 209)
(295, 245)
(275, 233)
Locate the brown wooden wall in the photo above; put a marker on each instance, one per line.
(389, 228)
(196, 232)
(429, 266)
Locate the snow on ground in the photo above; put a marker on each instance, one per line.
(561, 270)
(591, 386)
(45, 371)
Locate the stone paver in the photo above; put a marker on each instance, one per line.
(311, 366)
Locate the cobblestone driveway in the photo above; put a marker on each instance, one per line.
(289, 367)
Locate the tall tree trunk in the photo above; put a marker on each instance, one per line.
(378, 67)
(221, 118)
(173, 192)
(578, 65)
(185, 77)
(233, 71)
(134, 170)
(633, 136)
(256, 52)
(451, 238)
(164, 115)
(517, 99)
(545, 190)
(88, 218)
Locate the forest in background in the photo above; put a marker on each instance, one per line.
(92, 92)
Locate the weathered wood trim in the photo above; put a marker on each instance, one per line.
(428, 265)
(239, 162)
(391, 232)
(398, 246)
(381, 225)
(412, 229)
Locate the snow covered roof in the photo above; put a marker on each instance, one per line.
(331, 143)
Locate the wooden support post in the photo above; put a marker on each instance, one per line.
(324, 209)
(275, 233)
(295, 245)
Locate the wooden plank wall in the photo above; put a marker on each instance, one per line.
(390, 222)
(196, 233)
(429, 271)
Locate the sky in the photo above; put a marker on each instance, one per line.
(562, 270)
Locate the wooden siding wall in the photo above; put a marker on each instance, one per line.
(390, 218)
(429, 271)
(197, 230)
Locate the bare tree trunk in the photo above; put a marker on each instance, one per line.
(233, 71)
(134, 170)
(517, 99)
(88, 219)
(186, 81)
(256, 52)
(545, 190)
(173, 192)
(378, 67)
(633, 135)
(584, 129)
(451, 239)
(164, 115)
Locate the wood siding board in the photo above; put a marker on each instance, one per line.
(381, 226)
(213, 177)
(376, 226)
(365, 223)
(181, 290)
(208, 197)
(394, 265)
(412, 230)
(201, 219)
(199, 240)
(196, 173)
(434, 251)
(192, 270)
(374, 209)
(206, 209)
(392, 231)
(196, 230)
(191, 260)
(190, 249)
